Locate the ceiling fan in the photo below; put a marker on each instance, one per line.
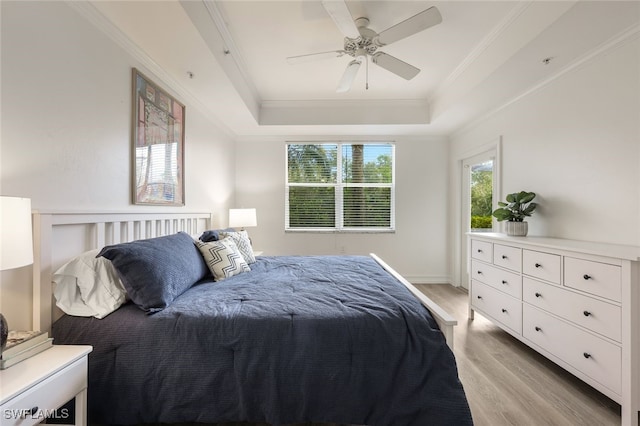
(361, 42)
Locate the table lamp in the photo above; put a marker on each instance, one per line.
(239, 218)
(16, 242)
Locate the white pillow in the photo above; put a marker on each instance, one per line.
(223, 258)
(88, 286)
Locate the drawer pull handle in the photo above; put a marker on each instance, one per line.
(537, 265)
(504, 311)
(479, 272)
(538, 329)
(504, 282)
(586, 355)
(479, 297)
(586, 313)
(29, 412)
(479, 251)
(504, 256)
(586, 277)
(538, 294)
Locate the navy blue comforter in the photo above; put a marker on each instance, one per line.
(297, 339)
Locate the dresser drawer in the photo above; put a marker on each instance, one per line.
(598, 316)
(601, 279)
(541, 265)
(586, 352)
(507, 257)
(482, 250)
(499, 306)
(46, 395)
(508, 282)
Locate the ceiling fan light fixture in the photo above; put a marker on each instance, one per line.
(362, 43)
(348, 76)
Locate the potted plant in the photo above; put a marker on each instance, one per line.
(518, 206)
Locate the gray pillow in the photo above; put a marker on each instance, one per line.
(157, 270)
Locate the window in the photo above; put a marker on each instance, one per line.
(340, 187)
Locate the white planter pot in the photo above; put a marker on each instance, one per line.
(517, 229)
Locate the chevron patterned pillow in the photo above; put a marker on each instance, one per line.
(241, 238)
(223, 258)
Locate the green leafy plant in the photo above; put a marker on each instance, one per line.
(517, 207)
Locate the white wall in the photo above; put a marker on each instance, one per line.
(576, 143)
(66, 123)
(418, 248)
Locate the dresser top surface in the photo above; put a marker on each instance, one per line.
(617, 251)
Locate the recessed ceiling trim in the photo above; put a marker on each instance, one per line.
(101, 22)
(625, 36)
(352, 103)
(208, 20)
(347, 112)
(233, 49)
(518, 30)
(491, 38)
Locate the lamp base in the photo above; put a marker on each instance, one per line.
(4, 332)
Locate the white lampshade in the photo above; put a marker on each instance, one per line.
(16, 242)
(240, 218)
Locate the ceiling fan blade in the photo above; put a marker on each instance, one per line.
(420, 22)
(340, 14)
(315, 56)
(395, 65)
(348, 76)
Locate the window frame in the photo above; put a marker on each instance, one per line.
(339, 187)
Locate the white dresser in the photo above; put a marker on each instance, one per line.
(575, 302)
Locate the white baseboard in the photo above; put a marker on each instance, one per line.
(416, 279)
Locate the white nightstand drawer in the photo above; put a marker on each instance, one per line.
(602, 317)
(596, 278)
(508, 282)
(482, 250)
(499, 306)
(46, 396)
(541, 265)
(586, 352)
(507, 257)
(37, 386)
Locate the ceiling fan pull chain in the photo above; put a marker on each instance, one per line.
(367, 74)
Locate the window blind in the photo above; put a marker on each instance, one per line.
(340, 186)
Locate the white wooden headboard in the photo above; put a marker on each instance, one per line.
(58, 237)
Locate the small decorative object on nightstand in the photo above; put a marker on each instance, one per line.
(36, 388)
(16, 242)
(22, 345)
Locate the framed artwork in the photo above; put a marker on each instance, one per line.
(158, 144)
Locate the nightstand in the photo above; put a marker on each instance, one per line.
(33, 389)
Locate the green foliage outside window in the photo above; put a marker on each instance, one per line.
(481, 199)
(362, 187)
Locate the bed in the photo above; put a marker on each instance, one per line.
(327, 339)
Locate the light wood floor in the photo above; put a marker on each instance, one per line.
(507, 383)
